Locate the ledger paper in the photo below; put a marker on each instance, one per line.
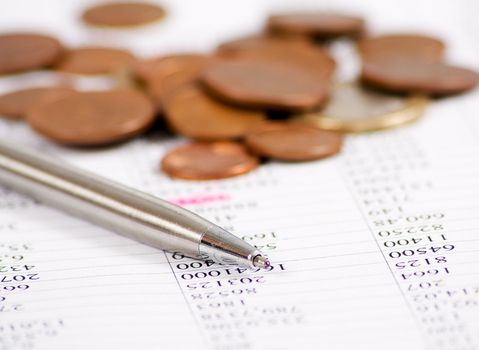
(377, 246)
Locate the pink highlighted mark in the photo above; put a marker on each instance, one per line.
(200, 199)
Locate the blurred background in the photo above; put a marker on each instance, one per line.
(193, 25)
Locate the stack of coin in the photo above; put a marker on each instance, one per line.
(269, 96)
(412, 64)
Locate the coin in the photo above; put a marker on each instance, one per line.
(351, 108)
(319, 24)
(265, 84)
(417, 76)
(23, 51)
(259, 43)
(93, 118)
(17, 103)
(292, 51)
(292, 142)
(165, 74)
(190, 112)
(95, 60)
(404, 45)
(162, 66)
(208, 161)
(123, 14)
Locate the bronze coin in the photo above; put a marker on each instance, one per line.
(208, 161)
(293, 142)
(291, 51)
(259, 43)
(95, 60)
(22, 52)
(165, 74)
(192, 113)
(265, 84)
(325, 25)
(93, 118)
(162, 66)
(417, 76)
(413, 46)
(123, 14)
(16, 104)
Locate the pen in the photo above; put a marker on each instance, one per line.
(129, 212)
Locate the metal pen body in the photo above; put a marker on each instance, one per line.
(132, 213)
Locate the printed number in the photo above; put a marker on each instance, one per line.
(420, 229)
(177, 256)
(17, 278)
(12, 288)
(424, 285)
(412, 241)
(259, 236)
(240, 270)
(195, 265)
(225, 283)
(11, 257)
(426, 273)
(16, 268)
(9, 308)
(421, 262)
(15, 247)
(201, 274)
(227, 271)
(269, 246)
(424, 217)
(420, 251)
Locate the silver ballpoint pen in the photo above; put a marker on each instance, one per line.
(129, 212)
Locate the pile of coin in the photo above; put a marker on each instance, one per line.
(270, 96)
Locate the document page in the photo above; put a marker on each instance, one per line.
(375, 248)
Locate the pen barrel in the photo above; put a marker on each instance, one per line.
(132, 213)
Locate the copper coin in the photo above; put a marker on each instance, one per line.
(208, 161)
(259, 43)
(162, 66)
(417, 76)
(165, 74)
(292, 51)
(95, 60)
(123, 14)
(412, 46)
(265, 84)
(325, 25)
(190, 112)
(22, 52)
(93, 118)
(293, 142)
(16, 104)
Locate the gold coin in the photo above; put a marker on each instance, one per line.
(352, 108)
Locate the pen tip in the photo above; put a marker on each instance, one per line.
(261, 262)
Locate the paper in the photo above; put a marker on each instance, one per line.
(377, 248)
